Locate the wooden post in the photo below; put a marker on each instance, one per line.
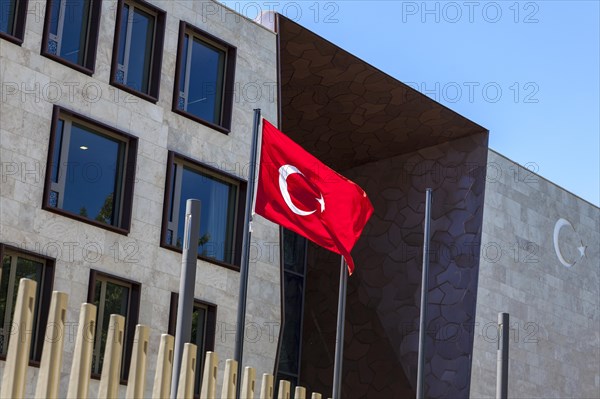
(266, 387)
(17, 358)
(81, 368)
(185, 388)
(209, 379)
(137, 370)
(229, 380)
(111, 364)
(164, 367)
(284, 390)
(300, 393)
(247, 391)
(49, 375)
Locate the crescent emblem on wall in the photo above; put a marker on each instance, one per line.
(560, 223)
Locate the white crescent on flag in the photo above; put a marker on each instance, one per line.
(284, 172)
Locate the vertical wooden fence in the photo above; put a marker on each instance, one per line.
(14, 378)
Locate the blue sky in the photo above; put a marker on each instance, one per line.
(528, 71)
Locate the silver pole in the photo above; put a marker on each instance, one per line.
(502, 360)
(339, 339)
(187, 284)
(245, 261)
(424, 298)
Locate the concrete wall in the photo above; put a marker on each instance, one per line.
(554, 317)
(25, 128)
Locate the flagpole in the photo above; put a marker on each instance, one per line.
(187, 283)
(339, 339)
(424, 298)
(247, 235)
(502, 356)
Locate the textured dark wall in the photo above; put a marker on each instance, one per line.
(381, 338)
(394, 142)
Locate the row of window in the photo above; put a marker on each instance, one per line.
(110, 294)
(204, 75)
(91, 166)
(90, 176)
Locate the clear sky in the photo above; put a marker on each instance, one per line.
(528, 71)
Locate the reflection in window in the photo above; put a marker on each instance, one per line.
(139, 42)
(12, 19)
(218, 197)
(88, 180)
(204, 78)
(199, 316)
(13, 268)
(294, 256)
(201, 83)
(203, 332)
(89, 172)
(111, 297)
(7, 16)
(134, 65)
(69, 29)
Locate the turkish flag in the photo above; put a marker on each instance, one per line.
(302, 194)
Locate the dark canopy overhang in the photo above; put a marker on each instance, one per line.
(347, 112)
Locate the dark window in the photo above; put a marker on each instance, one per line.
(113, 295)
(17, 264)
(204, 322)
(204, 78)
(12, 20)
(71, 32)
(221, 198)
(90, 171)
(137, 55)
(294, 275)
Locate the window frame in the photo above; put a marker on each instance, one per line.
(210, 328)
(128, 173)
(43, 303)
(157, 48)
(131, 320)
(224, 125)
(93, 28)
(238, 218)
(19, 22)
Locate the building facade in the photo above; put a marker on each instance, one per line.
(503, 240)
(539, 263)
(113, 113)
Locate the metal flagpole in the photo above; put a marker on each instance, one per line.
(247, 234)
(339, 339)
(187, 283)
(424, 298)
(502, 359)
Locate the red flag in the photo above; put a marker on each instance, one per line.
(299, 192)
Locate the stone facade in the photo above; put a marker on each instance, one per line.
(38, 83)
(554, 318)
(520, 267)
